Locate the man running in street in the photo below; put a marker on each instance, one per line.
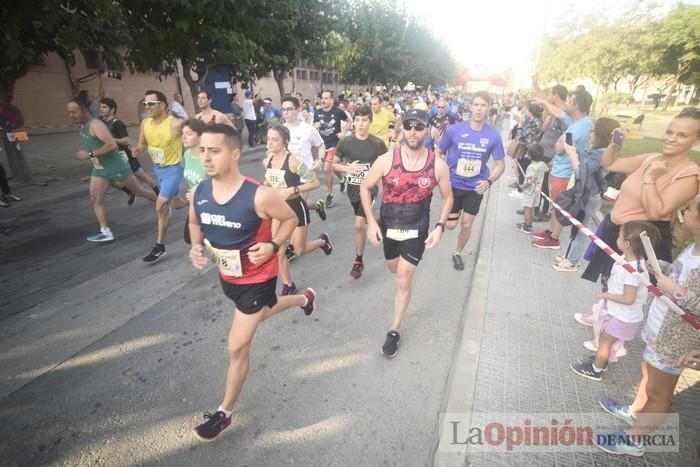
(327, 121)
(408, 177)
(381, 120)
(207, 114)
(469, 145)
(161, 135)
(231, 217)
(358, 153)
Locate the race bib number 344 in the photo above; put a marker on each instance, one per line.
(468, 167)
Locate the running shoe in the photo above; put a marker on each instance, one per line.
(356, 271)
(132, 198)
(618, 443)
(329, 201)
(343, 183)
(311, 301)
(542, 234)
(321, 209)
(10, 197)
(4, 204)
(520, 212)
(290, 289)
(156, 253)
(101, 237)
(590, 345)
(584, 318)
(391, 344)
(457, 261)
(618, 410)
(327, 246)
(587, 371)
(590, 359)
(214, 425)
(289, 252)
(565, 266)
(525, 228)
(547, 243)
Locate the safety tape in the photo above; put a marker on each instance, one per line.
(619, 259)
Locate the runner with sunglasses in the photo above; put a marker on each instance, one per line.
(469, 145)
(408, 175)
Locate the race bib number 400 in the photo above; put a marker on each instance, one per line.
(357, 177)
(400, 234)
(228, 261)
(468, 167)
(157, 155)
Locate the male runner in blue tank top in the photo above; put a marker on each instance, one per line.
(231, 217)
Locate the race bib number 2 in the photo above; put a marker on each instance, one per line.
(468, 167)
(400, 234)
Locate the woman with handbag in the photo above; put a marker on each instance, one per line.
(657, 186)
(672, 344)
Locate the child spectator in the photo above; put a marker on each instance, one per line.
(532, 185)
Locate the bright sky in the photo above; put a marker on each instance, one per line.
(493, 35)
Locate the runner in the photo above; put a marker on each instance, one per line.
(380, 121)
(304, 137)
(209, 115)
(468, 146)
(327, 121)
(357, 153)
(408, 178)
(161, 135)
(108, 109)
(109, 164)
(232, 215)
(194, 172)
(290, 177)
(439, 123)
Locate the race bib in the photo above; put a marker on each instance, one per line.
(400, 234)
(357, 177)
(468, 167)
(157, 155)
(96, 163)
(228, 261)
(275, 178)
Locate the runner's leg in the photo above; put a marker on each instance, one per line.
(98, 188)
(132, 184)
(465, 232)
(162, 205)
(404, 280)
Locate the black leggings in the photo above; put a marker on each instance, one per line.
(3, 181)
(251, 125)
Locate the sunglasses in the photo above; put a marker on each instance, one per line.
(408, 126)
(441, 106)
(151, 103)
(288, 109)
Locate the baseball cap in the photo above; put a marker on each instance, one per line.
(267, 100)
(249, 93)
(416, 114)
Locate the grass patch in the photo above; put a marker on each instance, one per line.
(633, 147)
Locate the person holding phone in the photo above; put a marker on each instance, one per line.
(578, 126)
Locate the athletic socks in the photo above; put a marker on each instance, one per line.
(106, 230)
(226, 412)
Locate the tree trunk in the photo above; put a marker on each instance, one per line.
(279, 79)
(192, 83)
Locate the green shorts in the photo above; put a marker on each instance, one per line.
(112, 175)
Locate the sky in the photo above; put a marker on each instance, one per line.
(492, 35)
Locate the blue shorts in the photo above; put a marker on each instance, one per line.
(169, 178)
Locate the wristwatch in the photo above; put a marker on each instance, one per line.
(91, 154)
(296, 190)
(441, 225)
(275, 247)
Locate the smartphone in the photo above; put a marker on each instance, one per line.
(569, 138)
(391, 125)
(617, 138)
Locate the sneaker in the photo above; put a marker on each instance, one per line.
(4, 204)
(391, 344)
(132, 198)
(542, 217)
(520, 212)
(559, 259)
(457, 261)
(327, 246)
(329, 201)
(618, 410)
(584, 318)
(155, 254)
(548, 243)
(356, 271)
(10, 197)
(215, 424)
(101, 237)
(590, 345)
(618, 443)
(343, 183)
(565, 266)
(290, 253)
(321, 209)
(589, 360)
(586, 370)
(525, 228)
(310, 301)
(542, 234)
(290, 289)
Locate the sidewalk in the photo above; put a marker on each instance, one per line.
(528, 339)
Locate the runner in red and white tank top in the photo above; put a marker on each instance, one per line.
(408, 175)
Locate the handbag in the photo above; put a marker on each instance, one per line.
(516, 149)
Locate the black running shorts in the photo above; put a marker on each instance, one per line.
(411, 250)
(251, 298)
(468, 201)
(301, 209)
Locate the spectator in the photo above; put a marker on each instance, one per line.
(177, 107)
(250, 118)
(7, 195)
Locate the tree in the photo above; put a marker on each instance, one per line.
(38, 28)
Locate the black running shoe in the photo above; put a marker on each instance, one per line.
(343, 183)
(155, 254)
(391, 344)
(356, 271)
(329, 201)
(215, 424)
(457, 261)
(132, 198)
(327, 246)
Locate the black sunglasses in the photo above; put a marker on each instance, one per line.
(408, 126)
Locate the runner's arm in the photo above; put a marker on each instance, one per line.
(121, 134)
(375, 173)
(142, 141)
(442, 173)
(269, 205)
(101, 132)
(308, 177)
(197, 256)
(222, 118)
(176, 127)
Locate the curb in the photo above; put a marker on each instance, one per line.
(461, 382)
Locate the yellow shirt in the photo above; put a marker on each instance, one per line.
(164, 149)
(380, 125)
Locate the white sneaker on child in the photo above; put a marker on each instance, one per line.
(591, 345)
(584, 318)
